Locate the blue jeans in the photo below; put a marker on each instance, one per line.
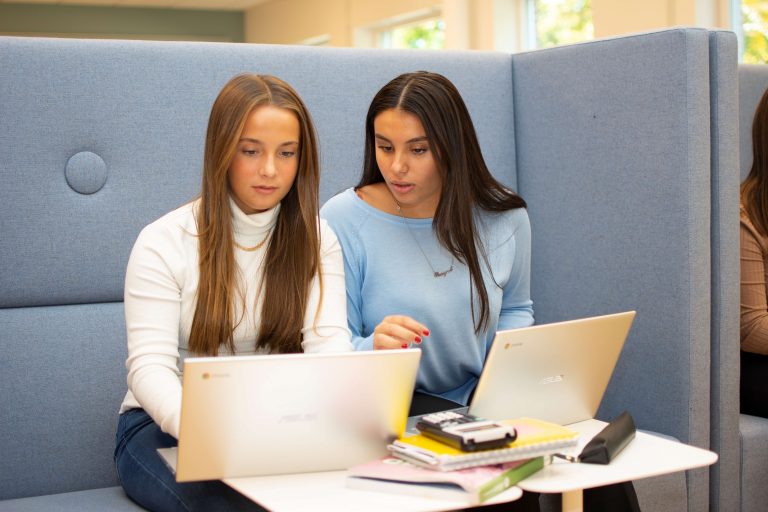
(148, 481)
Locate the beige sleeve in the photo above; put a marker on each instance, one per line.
(754, 309)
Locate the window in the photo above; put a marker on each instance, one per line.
(422, 34)
(751, 25)
(555, 22)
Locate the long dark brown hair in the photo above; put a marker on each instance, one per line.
(467, 182)
(293, 253)
(754, 190)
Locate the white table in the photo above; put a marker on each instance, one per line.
(327, 492)
(647, 455)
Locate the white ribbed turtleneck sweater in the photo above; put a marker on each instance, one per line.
(160, 288)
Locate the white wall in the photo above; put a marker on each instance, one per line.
(614, 17)
(295, 21)
(470, 24)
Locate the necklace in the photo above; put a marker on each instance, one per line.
(435, 273)
(251, 249)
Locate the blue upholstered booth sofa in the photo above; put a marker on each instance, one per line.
(624, 149)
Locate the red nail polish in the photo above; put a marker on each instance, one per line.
(405, 345)
(417, 339)
(426, 332)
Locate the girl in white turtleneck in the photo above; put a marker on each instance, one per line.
(245, 268)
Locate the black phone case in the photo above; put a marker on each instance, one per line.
(434, 432)
(609, 441)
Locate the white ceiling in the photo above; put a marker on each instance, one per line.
(228, 5)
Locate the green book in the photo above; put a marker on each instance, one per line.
(470, 486)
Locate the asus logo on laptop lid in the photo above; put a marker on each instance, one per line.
(553, 379)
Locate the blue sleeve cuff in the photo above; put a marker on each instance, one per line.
(361, 343)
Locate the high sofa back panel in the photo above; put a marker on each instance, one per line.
(724, 134)
(102, 137)
(613, 158)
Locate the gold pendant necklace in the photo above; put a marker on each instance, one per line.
(435, 273)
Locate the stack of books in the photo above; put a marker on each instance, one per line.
(422, 466)
(534, 438)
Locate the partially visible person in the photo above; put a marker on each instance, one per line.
(754, 271)
(245, 268)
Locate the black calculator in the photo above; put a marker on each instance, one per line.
(465, 432)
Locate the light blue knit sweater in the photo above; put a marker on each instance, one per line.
(387, 273)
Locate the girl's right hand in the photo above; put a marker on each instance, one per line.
(398, 331)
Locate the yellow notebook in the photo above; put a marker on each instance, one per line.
(534, 438)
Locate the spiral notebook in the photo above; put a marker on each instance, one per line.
(534, 438)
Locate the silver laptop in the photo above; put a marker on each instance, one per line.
(556, 372)
(293, 413)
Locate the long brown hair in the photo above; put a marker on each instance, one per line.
(292, 256)
(467, 182)
(754, 190)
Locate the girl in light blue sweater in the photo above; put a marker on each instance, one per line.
(436, 251)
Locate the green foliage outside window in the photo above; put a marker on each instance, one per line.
(429, 34)
(754, 15)
(562, 22)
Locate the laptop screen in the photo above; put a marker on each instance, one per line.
(291, 413)
(556, 372)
